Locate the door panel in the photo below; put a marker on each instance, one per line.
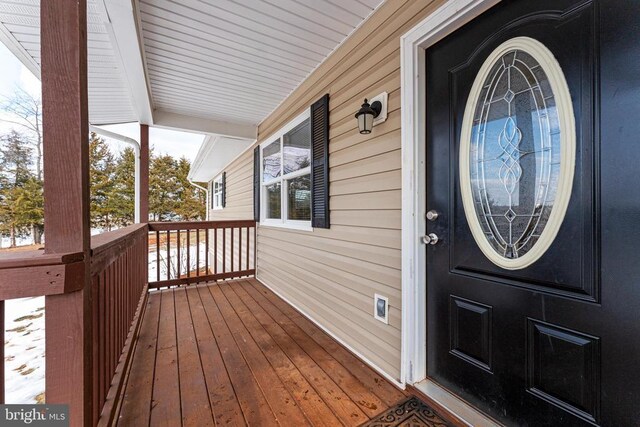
(551, 343)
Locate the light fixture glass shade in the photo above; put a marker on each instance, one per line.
(365, 123)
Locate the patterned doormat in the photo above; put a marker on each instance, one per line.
(411, 412)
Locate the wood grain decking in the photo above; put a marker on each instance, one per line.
(233, 353)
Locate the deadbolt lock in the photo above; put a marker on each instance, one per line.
(432, 215)
(430, 239)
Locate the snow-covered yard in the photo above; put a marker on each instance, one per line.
(24, 350)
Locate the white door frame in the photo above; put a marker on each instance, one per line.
(441, 22)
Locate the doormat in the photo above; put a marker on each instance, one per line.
(411, 412)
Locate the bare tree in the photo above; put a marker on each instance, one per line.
(25, 110)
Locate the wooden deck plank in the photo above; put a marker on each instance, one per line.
(316, 410)
(233, 353)
(136, 405)
(222, 397)
(281, 326)
(165, 407)
(282, 403)
(255, 408)
(381, 387)
(341, 404)
(194, 398)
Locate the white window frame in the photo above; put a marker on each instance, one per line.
(216, 196)
(277, 138)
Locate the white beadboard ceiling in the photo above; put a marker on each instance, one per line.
(213, 66)
(109, 99)
(236, 60)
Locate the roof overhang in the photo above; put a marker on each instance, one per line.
(215, 153)
(209, 67)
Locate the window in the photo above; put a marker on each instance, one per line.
(286, 176)
(517, 153)
(216, 193)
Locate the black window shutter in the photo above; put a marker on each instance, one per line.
(224, 189)
(256, 183)
(320, 163)
(211, 187)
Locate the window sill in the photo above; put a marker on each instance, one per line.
(289, 226)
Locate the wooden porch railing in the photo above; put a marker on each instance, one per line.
(119, 289)
(181, 252)
(200, 251)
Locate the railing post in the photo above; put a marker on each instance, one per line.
(144, 173)
(69, 356)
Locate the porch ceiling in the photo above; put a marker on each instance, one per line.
(211, 66)
(109, 100)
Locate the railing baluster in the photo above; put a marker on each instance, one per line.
(248, 244)
(188, 254)
(240, 248)
(158, 256)
(111, 319)
(206, 252)
(101, 328)
(178, 256)
(215, 251)
(168, 254)
(197, 252)
(224, 250)
(232, 251)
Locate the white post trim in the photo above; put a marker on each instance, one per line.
(443, 21)
(136, 149)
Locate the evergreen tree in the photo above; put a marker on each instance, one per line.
(101, 174)
(15, 172)
(29, 203)
(123, 193)
(163, 188)
(191, 201)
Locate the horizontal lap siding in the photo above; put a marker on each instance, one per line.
(333, 274)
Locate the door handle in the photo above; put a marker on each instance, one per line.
(430, 239)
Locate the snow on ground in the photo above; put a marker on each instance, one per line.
(173, 254)
(24, 350)
(5, 242)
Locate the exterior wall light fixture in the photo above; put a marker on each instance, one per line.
(372, 114)
(366, 114)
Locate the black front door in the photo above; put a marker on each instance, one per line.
(533, 169)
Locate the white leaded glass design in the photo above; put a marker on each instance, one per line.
(519, 153)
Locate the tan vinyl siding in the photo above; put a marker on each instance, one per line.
(239, 190)
(239, 206)
(333, 274)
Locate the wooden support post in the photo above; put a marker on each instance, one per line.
(144, 173)
(69, 356)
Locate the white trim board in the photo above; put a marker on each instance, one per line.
(443, 21)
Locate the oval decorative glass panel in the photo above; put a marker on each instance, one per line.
(517, 153)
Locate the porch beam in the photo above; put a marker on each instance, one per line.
(144, 173)
(123, 26)
(63, 31)
(186, 123)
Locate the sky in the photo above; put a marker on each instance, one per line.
(13, 74)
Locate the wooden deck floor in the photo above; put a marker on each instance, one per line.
(236, 354)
